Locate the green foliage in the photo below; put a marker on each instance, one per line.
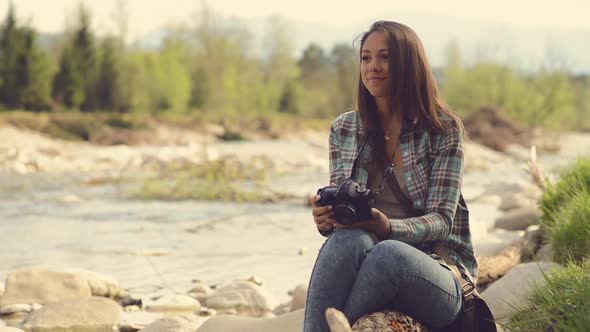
(73, 125)
(545, 98)
(213, 67)
(570, 232)
(24, 71)
(574, 179)
(225, 179)
(561, 304)
(76, 82)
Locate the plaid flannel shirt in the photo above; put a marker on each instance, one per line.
(433, 167)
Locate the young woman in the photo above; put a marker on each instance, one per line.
(405, 143)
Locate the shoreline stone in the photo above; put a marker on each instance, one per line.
(93, 314)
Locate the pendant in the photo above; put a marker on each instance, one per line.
(387, 137)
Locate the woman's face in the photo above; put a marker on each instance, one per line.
(375, 64)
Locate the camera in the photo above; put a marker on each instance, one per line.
(351, 201)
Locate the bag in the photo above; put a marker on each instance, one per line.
(475, 315)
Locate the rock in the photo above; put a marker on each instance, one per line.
(207, 312)
(15, 308)
(545, 253)
(131, 308)
(289, 322)
(36, 306)
(299, 296)
(532, 241)
(173, 303)
(10, 329)
(93, 314)
(134, 321)
(515, 201)
(100, 285)
(200, 292)
(282, 308)
(388, 321)
(245, 297)
(183, 323)
(129, 300)
(513, 290)
(492, 268)
(31, 285)
(255, 280)
(518, 219)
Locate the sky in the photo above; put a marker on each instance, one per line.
(148, 15)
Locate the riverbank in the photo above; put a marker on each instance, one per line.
(63, 206)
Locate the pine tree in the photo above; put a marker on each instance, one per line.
(24, 74)
(76, 83)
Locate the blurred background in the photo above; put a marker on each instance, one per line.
(223, 58)
(167, 141)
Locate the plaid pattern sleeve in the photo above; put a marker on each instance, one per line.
(336, 166)
(443, 191)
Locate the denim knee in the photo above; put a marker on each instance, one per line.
(351, 241)
(396, 254)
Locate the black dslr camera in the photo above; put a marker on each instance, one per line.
(351, 202)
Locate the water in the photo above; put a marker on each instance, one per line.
(151, 244)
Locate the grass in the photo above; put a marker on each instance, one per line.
(573, 179)
(79, 126)
(570, 229)
(76, 126)
(562, 303)
(225, 179)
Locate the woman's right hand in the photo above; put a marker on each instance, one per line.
(322, 215)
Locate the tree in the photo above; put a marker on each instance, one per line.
(280, 67)
(76, 83)
(109, 80)
(24, 73)
(343, 59)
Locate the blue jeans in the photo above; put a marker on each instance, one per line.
(355, 274)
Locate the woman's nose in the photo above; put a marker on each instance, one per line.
(374, 66)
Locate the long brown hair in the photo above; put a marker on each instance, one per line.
(414, 90)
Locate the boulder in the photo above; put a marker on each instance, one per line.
(289, 322)
(30, 286)
(518, 219)
(532, 241)
(200, 292)
(245, 297)
(100, 285)
(516, 201)
(298, 297)
(545, 253)
(492, 268)
(173, 303)
(93, 314)
(182, 323)
(137, 320)
(15, 308)
(513, 290)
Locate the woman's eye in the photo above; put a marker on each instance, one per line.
(364, 58)
(385, 57)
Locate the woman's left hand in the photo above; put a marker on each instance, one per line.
(378, 225)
